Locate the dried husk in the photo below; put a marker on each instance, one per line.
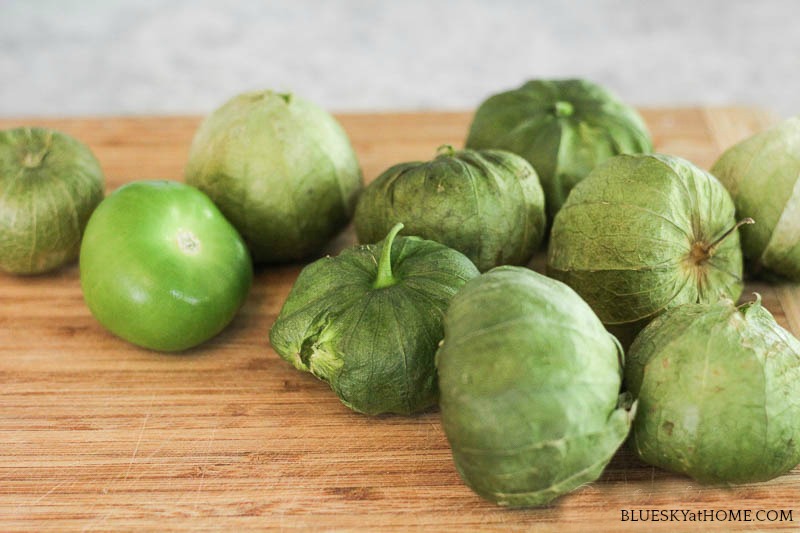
(50, 183)
(281, 169)
(368, 322)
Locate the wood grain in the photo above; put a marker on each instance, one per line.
(96, 434)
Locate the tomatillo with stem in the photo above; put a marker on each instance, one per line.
(161, 267)
(369, 320)
(644, 233)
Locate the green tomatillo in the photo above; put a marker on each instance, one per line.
(49, 185)
(719, 393)
(368, 321)
(530, 388)
(161, 267)
(762, 173)
(281, 169)
(487, 204)
(643, 233)
(564, 128)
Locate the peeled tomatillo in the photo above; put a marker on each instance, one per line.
(161, 267)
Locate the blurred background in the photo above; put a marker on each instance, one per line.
(92, 57)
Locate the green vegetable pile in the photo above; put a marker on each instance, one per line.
(530, 372)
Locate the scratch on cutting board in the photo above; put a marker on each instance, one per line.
(203, 467)
(202, 476)
(97, 522)
(42, 496)
(138, 442)
(101, 520)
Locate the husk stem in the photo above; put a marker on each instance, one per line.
(385, 277)
(446, 150)
(703, 252)
(563, 108)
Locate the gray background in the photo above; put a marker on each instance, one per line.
(85, 57)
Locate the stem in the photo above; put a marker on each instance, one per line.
(714, 245)
(563, 108)
(35, 159)
(702, 252)
(385, 277)
(446, 149)
(756, 302)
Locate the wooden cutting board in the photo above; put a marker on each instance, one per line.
(96, 434)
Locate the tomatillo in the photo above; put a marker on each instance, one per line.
(161, 267)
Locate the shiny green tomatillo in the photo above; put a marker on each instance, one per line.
(161, 267)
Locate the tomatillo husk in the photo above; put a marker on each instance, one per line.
(530, 388)
(369, 320)
(719, 393)
(487, 204)
(643, 233)
(762, 174)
